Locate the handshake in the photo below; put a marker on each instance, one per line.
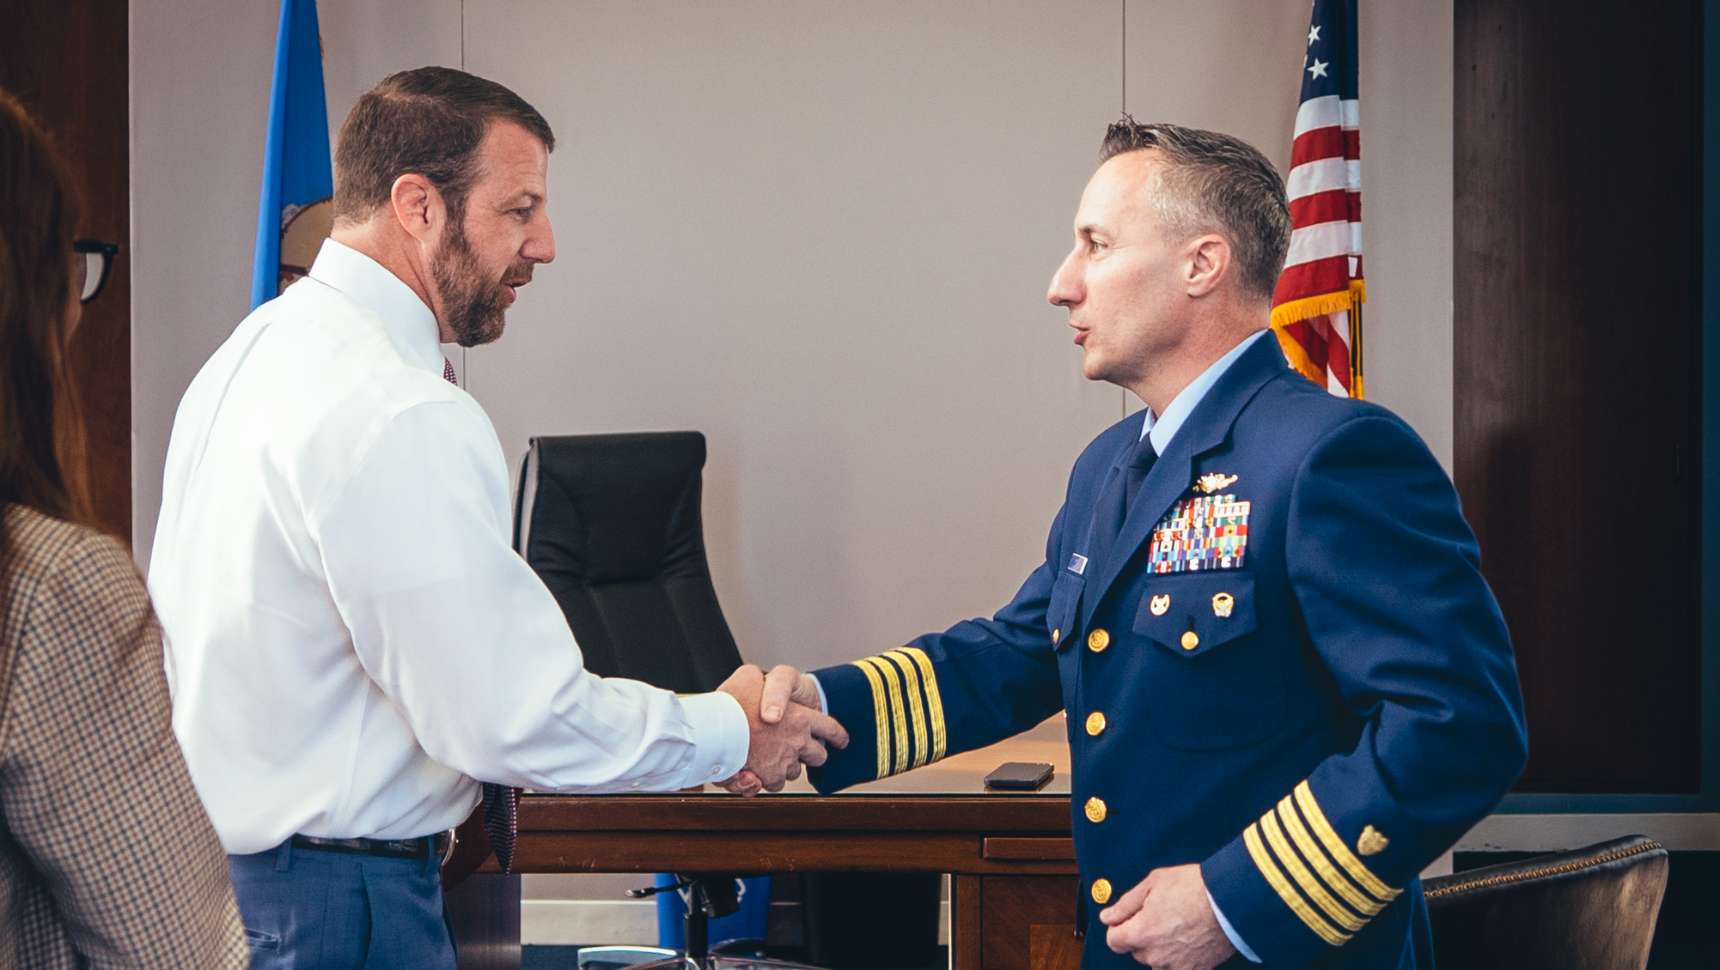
(786, 724)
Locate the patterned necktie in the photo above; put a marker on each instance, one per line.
(501, 802)
(502, 821)
(1112, 509)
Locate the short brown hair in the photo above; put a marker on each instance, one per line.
(428, 121)
(1214, 181)
(41, 431)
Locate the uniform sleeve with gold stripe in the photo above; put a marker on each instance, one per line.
(1387, 576)
(972, 685)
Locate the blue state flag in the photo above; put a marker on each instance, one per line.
(294, 211)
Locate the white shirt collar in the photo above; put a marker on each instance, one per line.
(364, 281)
(1163, 428)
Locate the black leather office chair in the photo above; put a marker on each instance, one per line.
(612, 524)
(1587, 909)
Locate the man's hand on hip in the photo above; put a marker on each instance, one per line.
(1166, 922)
(794, 734)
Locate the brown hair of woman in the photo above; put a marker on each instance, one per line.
(41, 431)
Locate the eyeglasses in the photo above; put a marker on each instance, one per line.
(95, 266)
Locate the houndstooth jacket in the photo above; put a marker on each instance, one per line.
(106, 856)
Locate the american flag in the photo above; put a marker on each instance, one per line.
(1317, 306)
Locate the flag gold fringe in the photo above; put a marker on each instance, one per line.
(1285, 314)
(1350, 301)
(1297, 355)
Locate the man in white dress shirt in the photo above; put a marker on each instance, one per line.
(357, 656)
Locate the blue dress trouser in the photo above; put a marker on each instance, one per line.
(318, 909)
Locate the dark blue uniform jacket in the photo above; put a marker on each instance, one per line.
(1291, 672)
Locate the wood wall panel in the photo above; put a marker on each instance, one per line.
(67, 60)
(1576, 371)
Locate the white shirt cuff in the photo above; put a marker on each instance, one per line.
(823, 702)
(1230, 932)
(720, 736)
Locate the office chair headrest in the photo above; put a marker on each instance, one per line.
(613, 508)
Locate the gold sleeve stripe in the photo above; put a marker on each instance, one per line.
(898, 719)
(934, 703)
(916, 706)
(1340, 852)
(1299, 872)
(878, 711)
(1287, 892)
(1358, 900)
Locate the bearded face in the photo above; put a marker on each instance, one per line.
(496, 232)
(474, 299)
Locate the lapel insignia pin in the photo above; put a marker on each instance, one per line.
(1222, 604)
(1214, 481)
(1371, 841)
(1077, 563)
(1160, 605)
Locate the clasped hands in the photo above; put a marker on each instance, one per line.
(786, 727)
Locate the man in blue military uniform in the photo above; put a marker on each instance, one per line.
(1288, 687)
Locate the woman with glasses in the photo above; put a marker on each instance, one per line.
(106, 857)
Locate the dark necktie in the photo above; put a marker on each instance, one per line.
(1112, 508)
(501, 802)
(501, 821)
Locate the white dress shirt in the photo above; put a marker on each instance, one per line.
(351, 638)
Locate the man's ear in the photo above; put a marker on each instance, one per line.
(1207, 262)
(417, 207)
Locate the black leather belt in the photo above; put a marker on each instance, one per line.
(441, 843)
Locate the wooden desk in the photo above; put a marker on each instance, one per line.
(1010, 856)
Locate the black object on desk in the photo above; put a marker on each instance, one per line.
(1019, 776)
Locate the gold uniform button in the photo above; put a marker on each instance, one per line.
(1095, 724)
(1101, 891)
(1190, 640)
(1095, 810)
(1056, 636)
(1098, 640)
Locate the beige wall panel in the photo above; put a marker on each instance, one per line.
(822, 233)
(199, 110)
(819, 232)
(1406, 83)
